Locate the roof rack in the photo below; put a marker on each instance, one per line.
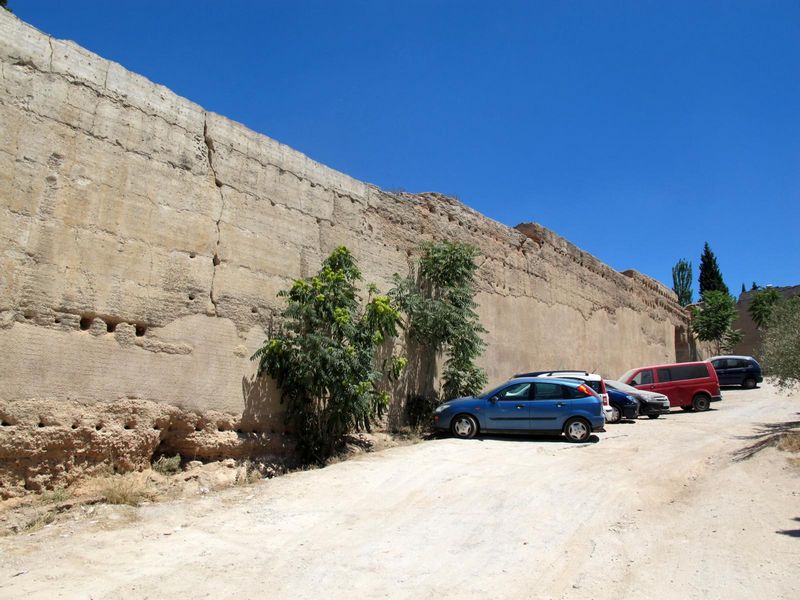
(540, 373)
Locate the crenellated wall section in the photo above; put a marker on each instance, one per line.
(143, 241)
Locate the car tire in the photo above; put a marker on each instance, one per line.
(653, 416)
(701, 402)
(749, 383)
(577, 430)
(687, 408)
(464, 426)
(616, 415)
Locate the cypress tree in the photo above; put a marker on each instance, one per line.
(710, 276)
(682, 281)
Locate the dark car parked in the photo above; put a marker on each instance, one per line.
(623, 406)
(737, 370)
(651, 404)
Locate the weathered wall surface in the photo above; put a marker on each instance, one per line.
(143, 241)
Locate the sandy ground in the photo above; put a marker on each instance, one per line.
(655, 509)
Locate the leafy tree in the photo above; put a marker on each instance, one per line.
(682, 281)
(712, 320)
(754, 287)
(730, 339)
(710, 276)
(761, 306)
(782, 343)
(439, 301)
(324, 360)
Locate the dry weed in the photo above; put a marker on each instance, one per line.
(167, 466)
(121, 489)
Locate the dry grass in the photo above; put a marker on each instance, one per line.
(247, 473)
(128, 489)
(40, 519)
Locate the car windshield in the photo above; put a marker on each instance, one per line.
(619, 386)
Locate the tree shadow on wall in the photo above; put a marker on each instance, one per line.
(263, 411)
(417, 382)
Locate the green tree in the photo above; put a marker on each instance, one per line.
(710, 275)
(761, 306)
(439, 301)
(712, 320)
(682, 281)
(324, 360)
(754, 287)
(782, 343)
(743, 289)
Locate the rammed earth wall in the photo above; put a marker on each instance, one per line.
(143, 241)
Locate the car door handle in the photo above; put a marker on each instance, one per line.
(520, 406)
(561, 405)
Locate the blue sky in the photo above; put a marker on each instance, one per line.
(637, 130)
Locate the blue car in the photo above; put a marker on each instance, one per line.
(623, 406)
(526, 405)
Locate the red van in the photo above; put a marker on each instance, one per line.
(692, 385)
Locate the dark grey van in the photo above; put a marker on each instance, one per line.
(737, 370)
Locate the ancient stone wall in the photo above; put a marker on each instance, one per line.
(143, 241)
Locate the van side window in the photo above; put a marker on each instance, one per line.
(664, 375)
(643, 377)
(689, 372)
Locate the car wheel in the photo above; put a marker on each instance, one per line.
(464, 427)
(577, 430)
(687, 408)
(653, 416)
(701, 402)
(749, 383)
(616, 415)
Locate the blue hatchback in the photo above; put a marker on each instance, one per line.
(526, 405)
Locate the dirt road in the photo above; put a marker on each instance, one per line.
(655, 509)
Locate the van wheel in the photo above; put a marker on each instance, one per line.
(701, 402)
(749, 383)
(577, 430)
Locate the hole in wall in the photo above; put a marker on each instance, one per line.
(40, 423)
(56, 320)
(5, 423)
(98, 427)
(74, 425)
(216, 260)
(86, 322)
(192, 254)
(110, 327)
(191, 296)
(254, 310)
(28, 316)
(140, 330)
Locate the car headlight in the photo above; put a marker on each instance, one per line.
(442, 408)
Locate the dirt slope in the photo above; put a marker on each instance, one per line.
(656, 509)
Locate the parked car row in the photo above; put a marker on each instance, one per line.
(577, 403)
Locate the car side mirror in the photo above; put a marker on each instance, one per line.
(494, 399)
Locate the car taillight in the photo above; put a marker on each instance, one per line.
(586, 389)
(605, 399)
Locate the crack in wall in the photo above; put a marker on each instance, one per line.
(215, 260)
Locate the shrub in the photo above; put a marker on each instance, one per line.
(782, 343)
(167, 466)
(712, 320)
(439, 300)
(324, 359)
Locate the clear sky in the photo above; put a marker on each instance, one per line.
(638, 130)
